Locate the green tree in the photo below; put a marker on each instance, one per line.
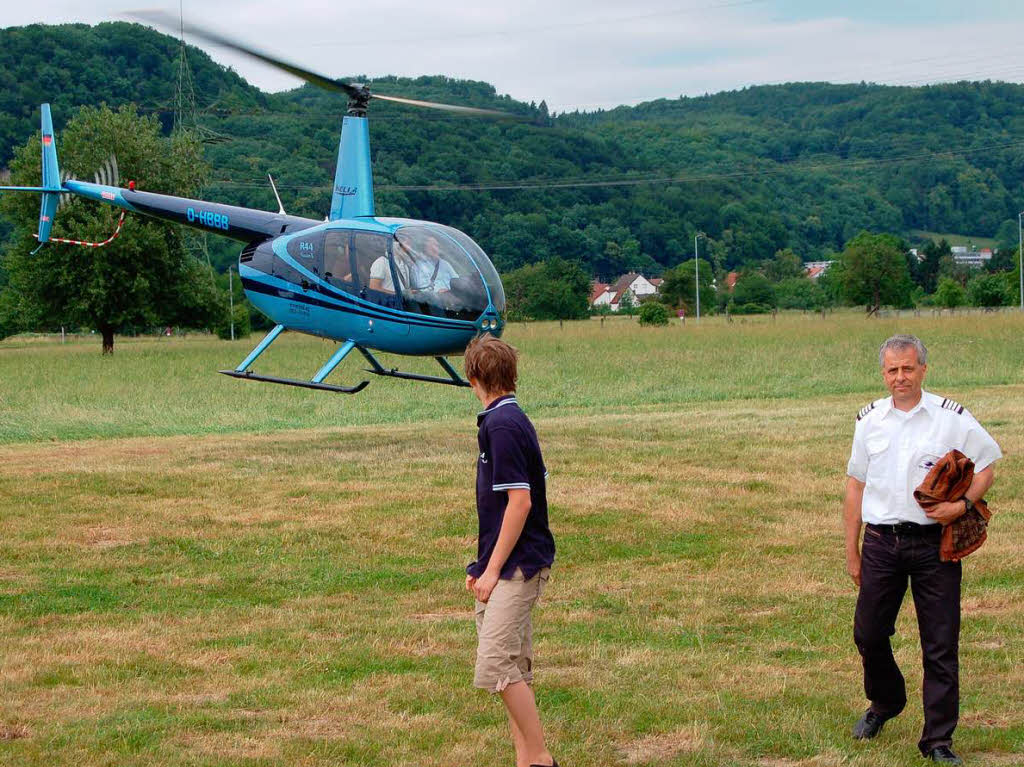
(799, 293)
(875, 271)
(949, 294)
(1008, 236)
(627, 304)
(653, 313)
(785, 265)
(988, 290)
(144, 277)
(752, 287)
(680, 283)
(550, 290)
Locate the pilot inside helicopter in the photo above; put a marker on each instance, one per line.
(423, 273)
(430, 272)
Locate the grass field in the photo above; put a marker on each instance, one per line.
(957, 239)
(201, 571)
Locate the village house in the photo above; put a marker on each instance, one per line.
(814, 269)
(971, 257)
(636, 284)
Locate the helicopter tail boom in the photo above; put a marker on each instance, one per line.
(243, 224)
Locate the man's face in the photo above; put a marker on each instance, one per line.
(433, 248)
(903, 374)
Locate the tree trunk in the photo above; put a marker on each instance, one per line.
(108, 339)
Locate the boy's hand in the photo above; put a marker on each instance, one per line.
(470, 580)
(484, 585)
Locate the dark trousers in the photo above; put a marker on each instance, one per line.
(888, 559)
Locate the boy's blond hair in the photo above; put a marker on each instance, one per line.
(492, 362)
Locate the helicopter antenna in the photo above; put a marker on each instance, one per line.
(280, 205)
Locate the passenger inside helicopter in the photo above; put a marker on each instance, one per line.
(337, 261)
(380, 274)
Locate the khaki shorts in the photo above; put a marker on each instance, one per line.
(504, 653)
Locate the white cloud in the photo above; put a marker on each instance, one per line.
(579, 54)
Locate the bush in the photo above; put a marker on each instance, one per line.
(988, 290)
(751, 308)
(653, 313)
(243, 326)
(949, 294)
(799, 293)
(753, 288)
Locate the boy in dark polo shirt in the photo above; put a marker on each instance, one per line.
(515, 549)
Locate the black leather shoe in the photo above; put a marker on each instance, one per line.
(869, 725)
(944, 755)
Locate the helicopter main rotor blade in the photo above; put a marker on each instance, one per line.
(478, 111)
(165, 20)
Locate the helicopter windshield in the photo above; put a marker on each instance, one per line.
(483, 262)
(438, 277)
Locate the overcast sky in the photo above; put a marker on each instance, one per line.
(592, 54)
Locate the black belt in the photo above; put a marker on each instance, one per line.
(908, 529)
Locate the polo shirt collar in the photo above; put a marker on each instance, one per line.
(507, 399)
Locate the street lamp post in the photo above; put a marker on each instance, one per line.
(1020, 259)
(696, 272)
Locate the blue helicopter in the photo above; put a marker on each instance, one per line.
(375, 284)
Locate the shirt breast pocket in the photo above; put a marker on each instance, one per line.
(876, 448)
(924, 459)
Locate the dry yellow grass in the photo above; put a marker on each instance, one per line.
(296, 597)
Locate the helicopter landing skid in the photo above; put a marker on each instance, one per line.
(243, 372)
(454, 378)
(250, 376)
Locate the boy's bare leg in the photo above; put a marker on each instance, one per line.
(520, 743)
(522, 711)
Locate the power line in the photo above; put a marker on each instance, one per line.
(599, 182)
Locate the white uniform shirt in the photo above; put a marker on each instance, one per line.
(893, 451)
(433, 276)
(381, 270)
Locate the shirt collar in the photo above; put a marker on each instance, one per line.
(925, 404)
(507, 399)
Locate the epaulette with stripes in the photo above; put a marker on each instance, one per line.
(953, 405)
(865, 410)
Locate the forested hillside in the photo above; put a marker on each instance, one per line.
(803, 166)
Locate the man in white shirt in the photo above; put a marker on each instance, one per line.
(432, 273)
(896, 441)
(380, 274)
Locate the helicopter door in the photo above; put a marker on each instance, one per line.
(377, 279)
(307, 251)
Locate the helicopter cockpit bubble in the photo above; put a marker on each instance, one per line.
(438, 276)
(490, 274)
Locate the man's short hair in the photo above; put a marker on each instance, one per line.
(492, 362)
(900, 342)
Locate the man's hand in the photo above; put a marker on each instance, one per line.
(853, 567)
(944, 513)
(484, 585)
(470, 580)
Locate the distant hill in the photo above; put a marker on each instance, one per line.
(804, 165)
